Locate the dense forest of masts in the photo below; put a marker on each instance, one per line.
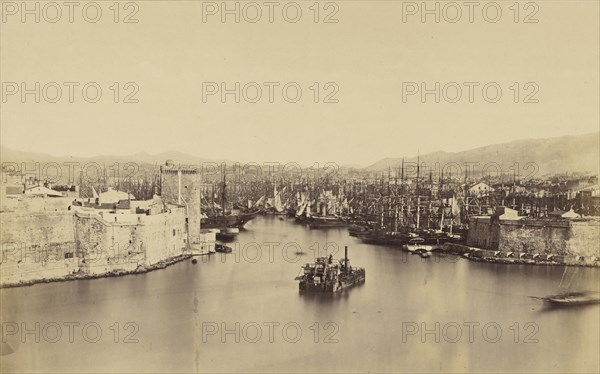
(391, 199)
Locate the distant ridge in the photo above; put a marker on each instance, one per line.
(572, 153)
(11, 155)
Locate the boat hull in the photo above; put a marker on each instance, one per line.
(220, 248)
(333, 286)
(385, 239)
(559, 301)
(323, 222)
(231, 221)
(225, 236)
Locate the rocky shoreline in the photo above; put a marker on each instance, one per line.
(115, 273)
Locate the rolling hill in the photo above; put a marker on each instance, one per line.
(576, 153)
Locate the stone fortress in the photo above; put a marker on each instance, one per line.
(564, 237)
(46, 236)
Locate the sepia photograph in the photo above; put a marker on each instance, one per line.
(307, 186)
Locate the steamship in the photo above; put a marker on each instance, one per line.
(325, 276)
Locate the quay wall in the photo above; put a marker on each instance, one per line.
(562, 237)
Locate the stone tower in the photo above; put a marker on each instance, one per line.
(181, 185)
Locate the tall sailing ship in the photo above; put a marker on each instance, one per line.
(406, 210)
(218, 216)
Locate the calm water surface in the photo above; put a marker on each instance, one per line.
(411, 315)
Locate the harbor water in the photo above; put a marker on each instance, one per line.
(242, 312)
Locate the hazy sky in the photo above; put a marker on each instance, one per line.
(367, 54)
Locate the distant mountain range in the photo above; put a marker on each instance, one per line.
(573, 153)
(11, 155)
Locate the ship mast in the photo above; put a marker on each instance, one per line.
(418, 191)
(223, 195)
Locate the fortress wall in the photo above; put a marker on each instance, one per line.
(585, 239)
(124, 242)
(479, 232)
(534, 236)
(561, 237)
(36, 245)
(35, 204)
(44, 245)
(164, 235)
(105, 246)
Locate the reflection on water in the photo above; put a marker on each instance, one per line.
(243, 312)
